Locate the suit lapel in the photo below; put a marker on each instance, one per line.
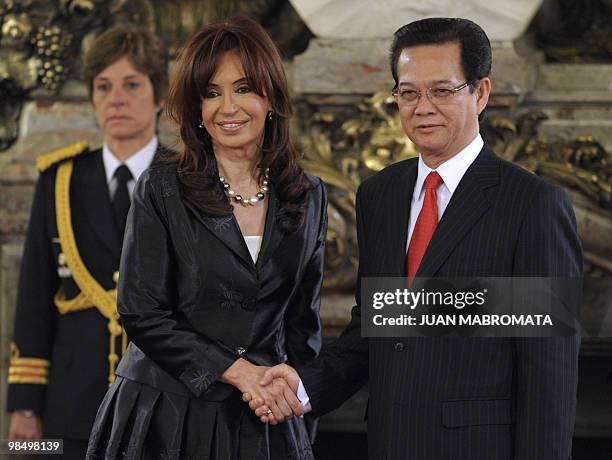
(396, 209)
(226, 229)
(91, 197)
(272, 233)
(465, 208)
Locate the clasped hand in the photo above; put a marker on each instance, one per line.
(283, 381)
(271, 392)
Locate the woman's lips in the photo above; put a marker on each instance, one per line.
(116, 118)
(231, 126)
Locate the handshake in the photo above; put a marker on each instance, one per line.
(271, 392)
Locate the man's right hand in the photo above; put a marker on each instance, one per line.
(23, 427)
(275, 375)
(278, 398)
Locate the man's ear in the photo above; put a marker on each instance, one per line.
(482, 94)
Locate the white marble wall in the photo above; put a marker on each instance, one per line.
(502, 20)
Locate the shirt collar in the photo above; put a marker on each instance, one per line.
(137, 163)
(453, 169)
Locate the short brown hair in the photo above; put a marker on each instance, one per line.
(142, 48)
(265, 74)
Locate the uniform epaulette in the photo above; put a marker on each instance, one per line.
(45, 161)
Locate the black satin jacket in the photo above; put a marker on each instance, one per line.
(192, 301)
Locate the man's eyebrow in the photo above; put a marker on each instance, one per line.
(436, 82)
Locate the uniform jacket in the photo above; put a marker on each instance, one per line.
(198, 302)
(75, 345)
(453, 398)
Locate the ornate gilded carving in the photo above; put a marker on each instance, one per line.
(344, 150)
(36, 39)
(77, 7)
(581, 163)
(575, 30)
(16, 30)
(50, 46)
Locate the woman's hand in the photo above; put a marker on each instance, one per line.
(278, 397)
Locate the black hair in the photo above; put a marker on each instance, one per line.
(475, 46)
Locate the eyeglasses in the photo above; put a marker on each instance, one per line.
(438, 95)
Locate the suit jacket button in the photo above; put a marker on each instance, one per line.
(399, 346)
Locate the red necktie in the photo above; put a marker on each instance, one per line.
(425, 225)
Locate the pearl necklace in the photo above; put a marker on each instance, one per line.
(259, 196)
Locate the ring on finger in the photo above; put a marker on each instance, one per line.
(269, 412)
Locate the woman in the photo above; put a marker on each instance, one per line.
(66, 340)
(222, 266)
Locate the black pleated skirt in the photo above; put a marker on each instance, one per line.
(137, 421)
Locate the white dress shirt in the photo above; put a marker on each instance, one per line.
(452, 172)
(137, 164)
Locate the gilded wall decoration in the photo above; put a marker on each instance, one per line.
(581, 164)
(37, 42)
(575, 30)
(345, 149)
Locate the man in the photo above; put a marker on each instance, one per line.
(456, 211)
(67, 339)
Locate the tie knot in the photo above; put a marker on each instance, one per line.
(433, 180)
(123, 174)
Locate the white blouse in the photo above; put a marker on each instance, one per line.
(254, 244)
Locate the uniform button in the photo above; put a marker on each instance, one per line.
(399, 346)
(116, 277)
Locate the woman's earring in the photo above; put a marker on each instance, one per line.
(270, 115)
(200, 125)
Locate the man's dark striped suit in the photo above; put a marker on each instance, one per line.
(461, 398)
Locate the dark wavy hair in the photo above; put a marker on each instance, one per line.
(263, 68)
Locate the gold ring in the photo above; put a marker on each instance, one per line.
(269, 412)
